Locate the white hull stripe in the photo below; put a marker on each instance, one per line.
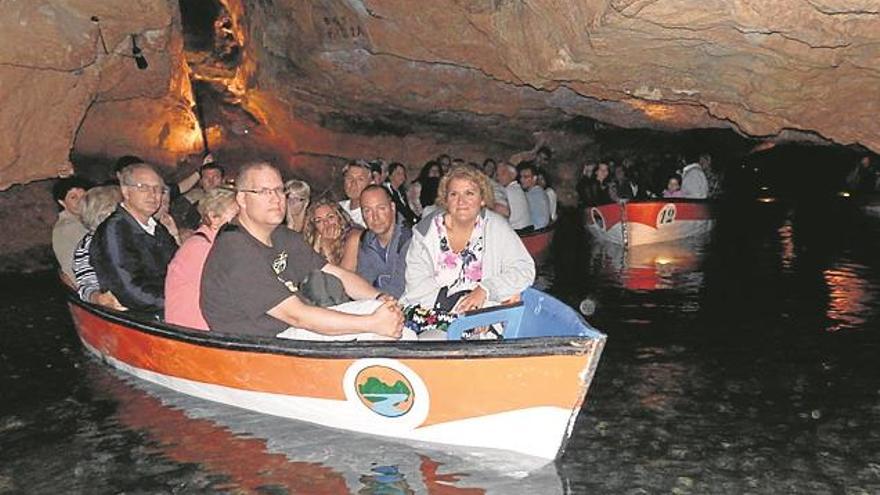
(536, 431)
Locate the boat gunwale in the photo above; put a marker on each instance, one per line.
(542, 231)
(438, 349)
(707, 201)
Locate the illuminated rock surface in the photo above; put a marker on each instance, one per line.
(339, 79)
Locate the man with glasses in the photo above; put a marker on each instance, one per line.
(130, 251)
(251, 280)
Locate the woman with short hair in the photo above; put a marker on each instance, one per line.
(464, 255)
(97, 204)
(184, 279)
(298, 198)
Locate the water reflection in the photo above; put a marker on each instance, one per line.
(651, 267)
(786, 241)
(251, 452)
(849, 296)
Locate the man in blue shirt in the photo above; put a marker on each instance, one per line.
(539, 203)
(382, 252)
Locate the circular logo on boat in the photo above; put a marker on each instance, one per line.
(666, 215)
(387, 395)
(385, 391)
(597, 217)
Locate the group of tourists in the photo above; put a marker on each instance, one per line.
(609, 182)
(260, 256)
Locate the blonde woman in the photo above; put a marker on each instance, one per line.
(97, 204)
(183, 281)
(464, 255)
(332, 234)
(298, 197)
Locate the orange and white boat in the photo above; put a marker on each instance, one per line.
(520, 394)
(633, 223)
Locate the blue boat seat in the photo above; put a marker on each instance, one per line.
(538, 315)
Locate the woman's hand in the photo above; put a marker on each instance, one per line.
(108, 299)
(332, 232)
(474, 300)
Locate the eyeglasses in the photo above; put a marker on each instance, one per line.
(148, 188)
(265, 192)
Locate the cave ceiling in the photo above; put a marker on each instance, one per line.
(345, 78)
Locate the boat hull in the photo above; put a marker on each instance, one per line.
(636, 223)
(515, 396)
(537, 243)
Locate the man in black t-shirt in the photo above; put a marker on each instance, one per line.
(251, 274)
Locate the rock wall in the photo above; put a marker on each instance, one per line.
(804, 69)
(491, 71)
(61, 91)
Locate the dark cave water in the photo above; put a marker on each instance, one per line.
(745, 362)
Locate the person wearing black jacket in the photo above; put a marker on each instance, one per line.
(396, 186)
(130, 251)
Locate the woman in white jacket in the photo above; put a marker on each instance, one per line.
(464, 255)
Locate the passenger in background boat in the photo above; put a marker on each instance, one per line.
(184, 279)
(624, 188)
(634, 177)
(251, 280)
(164, 217)
(540, 155)
(547, 185)
(444, 162)
(356, 176)
(465, 255)
(520, 218)
(299, 196)
(863, 178)
(489, 167)
(68, 230)
(423, 189)
(673, 187)
(396, 186)
(693, 181)
(599, 190)
(539, 203)
(332, 234)
(381, 256)
(131, 250)
(714, 178)
(428, 196)
(378, 171)
(583, 183)
(430, 169)
(98, 203)
(184, 208)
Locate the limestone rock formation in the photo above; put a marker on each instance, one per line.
(333, 79)
(61, 91)
(761, 67)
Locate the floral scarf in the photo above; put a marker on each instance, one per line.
(463, 270)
